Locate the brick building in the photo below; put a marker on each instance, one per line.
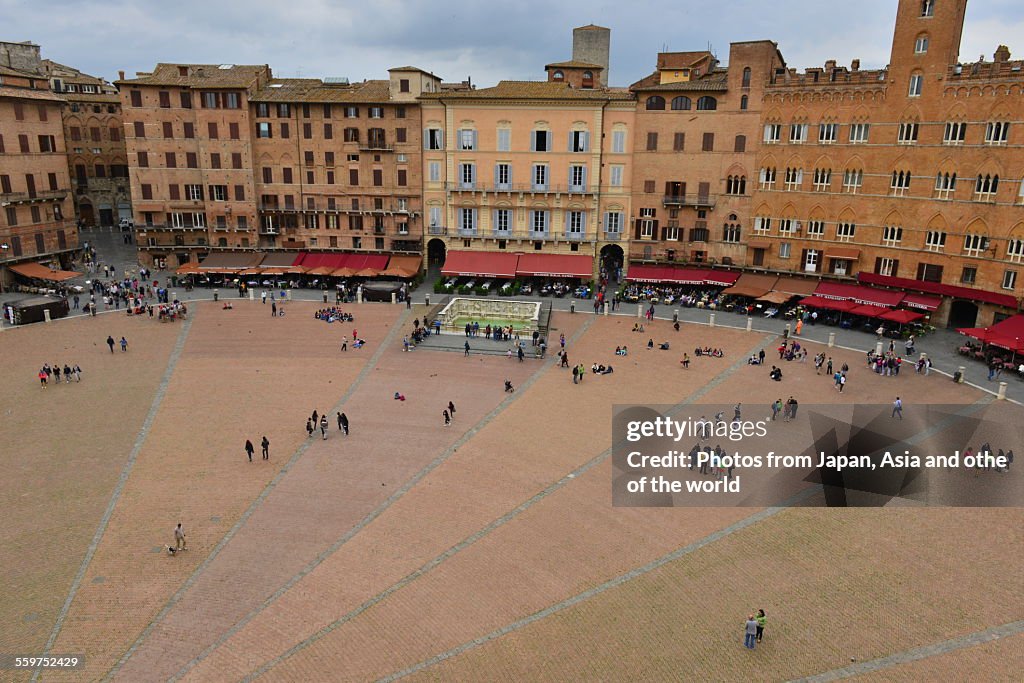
(908, 176)
(94, 134)
(189, 132)
(529, 167)
(36, 217)
(694, 152)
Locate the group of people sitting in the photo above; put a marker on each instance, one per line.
(334, 314)
(601, 369)
(419, 331)
(775, 374)
(663, 345)
(621, 350)
(637, 327)
(708, 351)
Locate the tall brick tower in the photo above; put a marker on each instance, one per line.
(926, 40)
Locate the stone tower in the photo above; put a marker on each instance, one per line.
(591, 44)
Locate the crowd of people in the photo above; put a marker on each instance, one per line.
(56, 371)
(334, 314)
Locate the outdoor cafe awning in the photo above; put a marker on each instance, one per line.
(555, 265)
(41, 272)
(402, 266)
(859, 294)
(841, 305)
(480, 264)
(753, 285)
(228, 262)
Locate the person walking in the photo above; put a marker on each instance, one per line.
(249, 449)
(316, 417)
(339, 422)
(761, 620)
(110, 343)
(323, 427)
(263, 296)
(842, 382)
(466, 347)
(451, 408)
(179, 539)
(736, 413)
(575, 374)
(521, 354)
(447, 418)
(897, 408)
(793, 405)
(266, 447)
(344, 343)
(42, 378)
(273, 309)
(750, 633)
(685, 361)
(124, 344)
(343, 420)
(309, 427)
(776, 406)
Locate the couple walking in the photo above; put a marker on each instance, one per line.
(754, 629)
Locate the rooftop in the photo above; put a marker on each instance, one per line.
(573, 64)
(315, 90)
(682, 60)
(533, 90)
(201, 75)
(717, 80)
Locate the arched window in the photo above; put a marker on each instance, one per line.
(743, 102)
(927, 8)
(558, 76)
(588, 75)
(921, 44)
(655, 103)
(706, 103)
(746, 77)
(916, 81)
(681, 103)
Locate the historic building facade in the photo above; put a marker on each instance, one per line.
(694, 152)
(36, 214)
(94, 134)
(909, 176)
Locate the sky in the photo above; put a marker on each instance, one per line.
(460, 39)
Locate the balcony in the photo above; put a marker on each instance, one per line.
(612, 235)
(522, 188)
(32, 197)
(375, 146)
(538, 234)
(575, 236)
(467, 232)
(696, 200)
(501, 234)
(437, 230)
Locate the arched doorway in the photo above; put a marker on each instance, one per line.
(963, 313)
(436, 252)
(85, 213)
(612, 259)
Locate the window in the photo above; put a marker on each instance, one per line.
(907, 134)
(540, 141)
(285, 131)
(827, 133)
(954, 133)
(218, 193)
(579, 141)
(351, 112)
(997, 132)
(351, 135)
(845, 232)
(934, 240)
(740, 144)
(575, 224)
(1015, 250)
(467, 140)
(170, 160)
(403, 177)
(284, 110)
(504, 140)
(239, 193)
(268, 174)
(115, 134)
(900, 183)
(231, 100)
(307, 131)
(434, 138)
(189, 130)
(655, 103)
(731, 233)
(916, 81)
(708, 142)
(968, 275)
(652, 141)
(503, 221)
(921, 44)
(787, 226)
(539, 222)
(210, 100)
(736, 185)
(376, 112)
(503, 176)
(194, 192)
(434, 171)
(143, 159)
(147, 191)
(798, 133)
(772, 133)
(927, 8)
(403, 85)
(767, 178)
(945, 185)
(263, 130)
(48, 143)
(985, 188)
(136, 98)
(191, 160)
(615, 176)
(852, 180)
(746, 77)
(1009, 279)
(236, 160)
(743, 102)
(859, 132)
(822, 179)
(619, 141)
(975, 244)
(613, 222)
(707, 103)
(199, 220)
(762, 225)
(815, 229)
(681, 103)
(467, 176)
(577, 178)
(1020, 193)
(12, 220)
(794, 179)
(649, 186)
(785, 249)
(647, 229)
(892, 235)
(286, 176)
(540, 177)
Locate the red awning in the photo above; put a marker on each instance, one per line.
(556, 265)
(922, 301)
(901, 316)
(702, 276)
(1011, 327)
(859, 294)
(829, 304)
(646, 273)
(1005, 300)
(41, 272)
(331, 260)
(868, 310)
(480, 263)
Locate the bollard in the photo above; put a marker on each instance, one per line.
(831, 339)
(426, 299)
(711, 320)
(572, 306)
(788, 330)
(359, 295)
(750, 323)
(1002, 391)
(394, 298)
(325, 296)
(878, 348)
(639, 310)
(174, 296)
(216, 295)
(252, 295)
(675, 315)
(288, 295)
(606, 307)
(960, 371)
(46, 317)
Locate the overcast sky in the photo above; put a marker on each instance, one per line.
(457, 39)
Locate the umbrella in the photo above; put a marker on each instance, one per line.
(982, 334)
(901, 316)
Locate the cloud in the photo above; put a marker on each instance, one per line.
(461, 38)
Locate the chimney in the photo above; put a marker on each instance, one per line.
(855, 65)
(830, 64)
(120, 75)
(1002, 54)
